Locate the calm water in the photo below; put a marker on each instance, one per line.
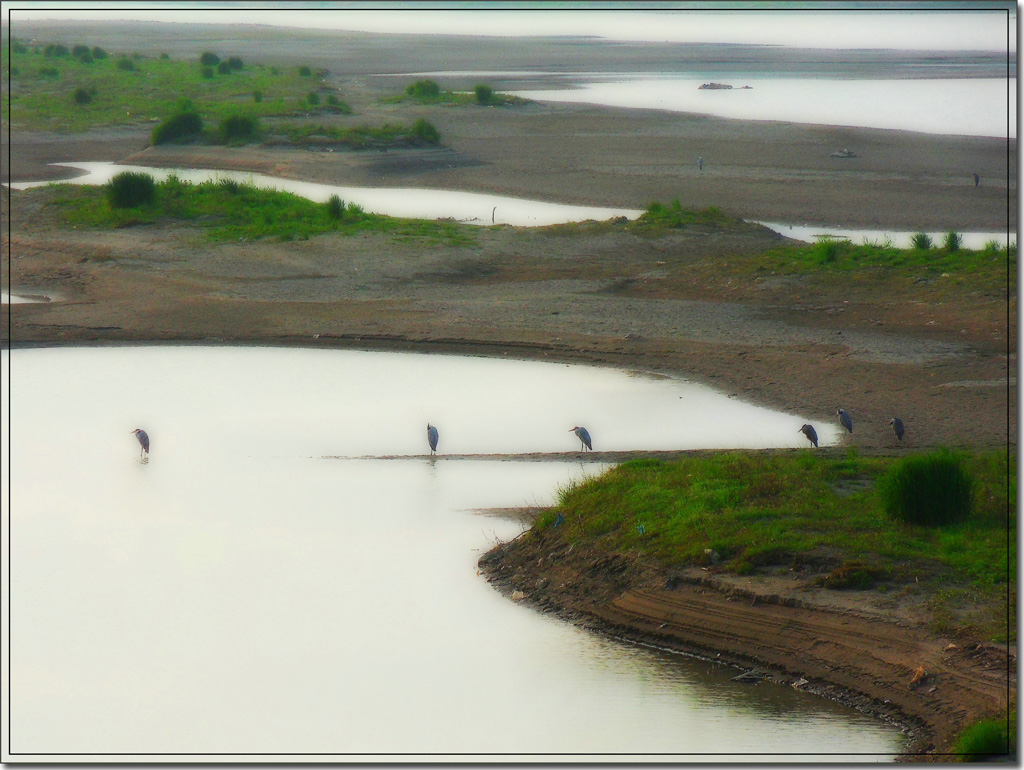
(240, 593)
(969, 107)
(471, 208)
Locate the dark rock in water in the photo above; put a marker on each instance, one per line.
(715, 86)
(844, 153)
(750, 677)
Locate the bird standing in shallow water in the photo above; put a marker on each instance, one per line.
(897, 427)
(432, 437)
(143, 438)
(810, 432)
(583, 435)
(845, 419)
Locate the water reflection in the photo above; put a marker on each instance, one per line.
(240, 594)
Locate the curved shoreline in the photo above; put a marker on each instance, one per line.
(930, 687)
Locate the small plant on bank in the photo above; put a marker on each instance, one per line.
(131, 189)
(182, 127)
(484, 93)
(827, 247)
(423, 89)
(987, 739)
(426, 131)
(928, 489)
(238, 129)
(953, 241)
(335, 207)
(921, 241)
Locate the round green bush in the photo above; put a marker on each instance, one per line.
(928, 489)
(131, 189)
(180, 127)
(484, 93)
(238, 129)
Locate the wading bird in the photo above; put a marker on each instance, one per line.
(845, 419)
(897, 427)
(143, 438)
(812, 435)
(583, 435)
(432, 437)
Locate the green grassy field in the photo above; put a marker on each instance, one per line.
(752, 511)
(43, 90)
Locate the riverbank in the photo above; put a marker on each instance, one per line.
(845, 646)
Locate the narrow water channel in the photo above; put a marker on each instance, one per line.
(262, 588)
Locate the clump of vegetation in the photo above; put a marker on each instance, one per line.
(207, 72)
(423, 89)
(827, 248)
(952, 241)
(425, 130)
(484, 93)
(238, 129)
(209, 59)
(313, 98)
(921, 241)
(98, 53)
(658, 215)
(130, 189)
(362, 137)
(335, 207)
(928, 489)
(84, 95)
(305, 71)
(183, 126)
(987, 739)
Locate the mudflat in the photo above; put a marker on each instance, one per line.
(943, 360)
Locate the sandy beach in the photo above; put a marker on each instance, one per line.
(666, 305)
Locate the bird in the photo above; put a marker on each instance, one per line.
(583, 435)
(845, 419)
(432, 437)
(812, 435)
(700, 163)
(897, 427)
(143, 438)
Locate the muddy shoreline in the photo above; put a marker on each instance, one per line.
(947, 363)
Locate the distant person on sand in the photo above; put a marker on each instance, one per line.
(976, 180)
(700, 163)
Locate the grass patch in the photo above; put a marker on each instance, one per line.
(760, 509)
(230, 211)
(420, 133)
(127, 90)
(987, 739)
(429, 92)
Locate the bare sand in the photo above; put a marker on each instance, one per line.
(943, 360)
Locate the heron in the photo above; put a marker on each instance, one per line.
(143, 438)
(845, 419)
(700, 163)
(808, 430)
(432, 438)
(583, 435)
(897, 427)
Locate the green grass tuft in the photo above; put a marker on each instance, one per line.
(929, 489)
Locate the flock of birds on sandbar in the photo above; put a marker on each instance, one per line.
(586, 444)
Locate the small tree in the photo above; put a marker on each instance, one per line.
(484, 94)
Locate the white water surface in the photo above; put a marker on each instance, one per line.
(242, 595)
(963, 107)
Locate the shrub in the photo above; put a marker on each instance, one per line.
(49, 72)
(313, 98)
(827, 248)
(85, 58)
(426, 131)
(423, 89)
(55, 51)
(83, 95)
(257, 96)
(928, 489)
(98, 53)
(235, 63)
(483, 94)
(165, 56)
(238, 129)
(224, 68)
(180, 127)
(78, 50)
(17, 46)
(953, 241)
(921, 241)
(125, 63)
(335, 207)
(305, 71)
(131, 189)
(985, 739)
(209, 59)
(207, 72)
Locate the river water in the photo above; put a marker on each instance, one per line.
(263, 587)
